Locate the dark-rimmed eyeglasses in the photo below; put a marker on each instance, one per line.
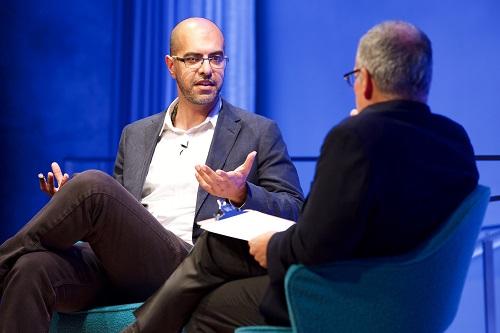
(215, 61)
(350, 77)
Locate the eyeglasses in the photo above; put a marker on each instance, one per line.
(215, 61)
(351, 77)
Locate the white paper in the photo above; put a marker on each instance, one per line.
(247, 225)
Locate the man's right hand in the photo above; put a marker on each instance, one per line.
(48, 185)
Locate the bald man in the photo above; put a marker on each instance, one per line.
(169, 172)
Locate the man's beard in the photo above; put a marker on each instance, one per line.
(199, 99)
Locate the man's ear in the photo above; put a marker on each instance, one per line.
(366, 84)
(170, 65)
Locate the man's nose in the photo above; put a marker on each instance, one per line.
(205, 67)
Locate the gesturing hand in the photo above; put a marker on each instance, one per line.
(47, 185)
(230, 185)
(258, 247)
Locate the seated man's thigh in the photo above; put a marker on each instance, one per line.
(231, 305)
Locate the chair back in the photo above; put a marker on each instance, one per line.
(415, 292)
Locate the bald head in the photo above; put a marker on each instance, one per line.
(193, 26)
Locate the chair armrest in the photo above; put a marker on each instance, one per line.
(264, 329)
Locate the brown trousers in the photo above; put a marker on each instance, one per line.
(128, 254)
(217, 288)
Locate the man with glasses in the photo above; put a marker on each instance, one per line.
(386, 179)
(170, 170)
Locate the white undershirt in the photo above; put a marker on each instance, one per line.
(171, 188)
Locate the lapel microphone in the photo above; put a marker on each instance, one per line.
(184, 146)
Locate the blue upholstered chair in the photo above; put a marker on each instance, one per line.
(106, 319)
(417, 292)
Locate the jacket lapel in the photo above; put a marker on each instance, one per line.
(226, 131)
(151, 138)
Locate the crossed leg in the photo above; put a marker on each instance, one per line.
(134, 254)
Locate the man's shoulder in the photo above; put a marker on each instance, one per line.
(393, 127)
(402, 115)
(145, 122)
(244, 115)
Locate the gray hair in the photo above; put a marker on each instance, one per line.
(398, 55)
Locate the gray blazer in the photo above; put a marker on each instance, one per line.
(273, 184)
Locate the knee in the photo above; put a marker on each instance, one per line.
(93, 177)
(91, 180)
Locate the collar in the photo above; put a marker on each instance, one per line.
(402, 104)
(211, 117)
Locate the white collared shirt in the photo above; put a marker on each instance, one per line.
(171, 188)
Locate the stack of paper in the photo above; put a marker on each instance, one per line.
(247, 225)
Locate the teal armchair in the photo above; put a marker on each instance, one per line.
(106, 319)
(416, 292)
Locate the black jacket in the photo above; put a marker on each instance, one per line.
(385, 180)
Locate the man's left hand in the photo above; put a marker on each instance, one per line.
(230, 185)
(258, 247)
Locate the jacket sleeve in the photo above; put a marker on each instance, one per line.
(333, 219)
(276, 190)
(118, 168)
